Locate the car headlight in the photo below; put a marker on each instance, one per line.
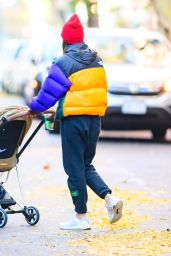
(34, 84)
(167, 85)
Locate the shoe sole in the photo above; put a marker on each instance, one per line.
(117, 211)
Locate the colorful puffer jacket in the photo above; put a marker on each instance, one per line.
(54, 88)
(88, 93)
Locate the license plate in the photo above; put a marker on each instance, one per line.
(134, 108)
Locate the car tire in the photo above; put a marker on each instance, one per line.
(56, 127)
(159, 133)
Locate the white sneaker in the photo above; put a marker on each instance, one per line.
(76, 224)
(114, 208)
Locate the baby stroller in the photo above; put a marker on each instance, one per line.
(14, 125)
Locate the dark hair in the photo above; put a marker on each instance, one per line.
(64, 44)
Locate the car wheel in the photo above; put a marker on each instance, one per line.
(159, 133)
(56, 127)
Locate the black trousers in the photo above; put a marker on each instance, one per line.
(79, 139)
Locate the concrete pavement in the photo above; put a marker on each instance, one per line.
(137, 170)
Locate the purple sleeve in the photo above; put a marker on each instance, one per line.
(53, 88)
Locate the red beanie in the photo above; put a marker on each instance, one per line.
(72, 31)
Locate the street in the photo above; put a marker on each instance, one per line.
(135, 167)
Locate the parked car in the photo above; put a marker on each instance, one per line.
(8, 49)
(21, 67)
(51, 48)
(33, 86)
(26, 61)
(138, 68)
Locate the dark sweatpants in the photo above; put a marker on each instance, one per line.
(79, 139)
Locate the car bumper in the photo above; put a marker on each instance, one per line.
(158, 114)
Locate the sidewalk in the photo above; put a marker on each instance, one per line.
(138, 173)
(144, 229)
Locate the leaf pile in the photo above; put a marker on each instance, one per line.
(146, 243)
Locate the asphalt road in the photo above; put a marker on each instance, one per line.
(129, 162)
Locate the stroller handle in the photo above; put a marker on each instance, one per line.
(23, 113)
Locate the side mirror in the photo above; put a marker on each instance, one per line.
(34, 61)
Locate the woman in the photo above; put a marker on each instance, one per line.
(78, 79)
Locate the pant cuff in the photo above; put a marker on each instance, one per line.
(105, 193)
(80, 211)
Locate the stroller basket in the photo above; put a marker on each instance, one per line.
(14, 125)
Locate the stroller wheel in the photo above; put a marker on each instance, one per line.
(3, 218)
(33, 215)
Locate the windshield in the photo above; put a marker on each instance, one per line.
(52, 51)
(125, 50)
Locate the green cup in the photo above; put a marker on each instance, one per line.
(49, 125)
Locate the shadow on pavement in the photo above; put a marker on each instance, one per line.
(131, 137)
(134, 140)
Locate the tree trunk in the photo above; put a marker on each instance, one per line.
(163, 10)
(92, 17)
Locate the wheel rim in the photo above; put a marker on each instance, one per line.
(3, 218)
(32, 212)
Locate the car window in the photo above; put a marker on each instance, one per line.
(130, 50)
(51, 51)
(9, 48)
(113, 50)
(153, 52)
